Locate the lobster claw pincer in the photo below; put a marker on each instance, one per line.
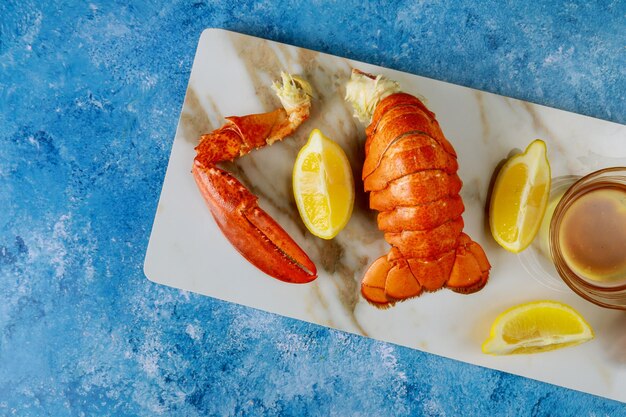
(254, 234)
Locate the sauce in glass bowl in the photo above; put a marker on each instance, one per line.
(593, 235)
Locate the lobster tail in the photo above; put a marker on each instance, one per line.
(410, 170)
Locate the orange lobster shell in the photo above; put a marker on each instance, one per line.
(253, 232)
(410, 170)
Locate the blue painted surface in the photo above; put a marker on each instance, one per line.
(90, 95)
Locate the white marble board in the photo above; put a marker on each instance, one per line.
(232, 74)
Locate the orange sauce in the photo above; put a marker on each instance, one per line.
(592, 236)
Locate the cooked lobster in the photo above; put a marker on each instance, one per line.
(257, 236)
(410, 170)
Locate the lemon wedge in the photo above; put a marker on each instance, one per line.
(323, 186)
(519, 198)
(538, 326)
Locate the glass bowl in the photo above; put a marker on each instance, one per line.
(606, 294)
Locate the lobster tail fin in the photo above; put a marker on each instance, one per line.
(388, 280)
(373, 283)
(470, 271)
(393, 277)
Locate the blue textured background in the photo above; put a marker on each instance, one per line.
(90, 94)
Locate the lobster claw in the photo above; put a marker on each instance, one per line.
(254, 234)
